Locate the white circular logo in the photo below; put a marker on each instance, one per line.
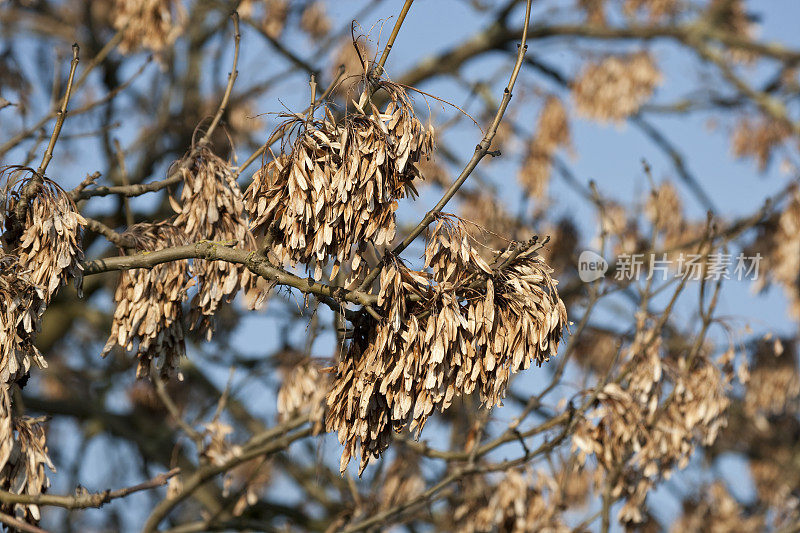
(591, 266)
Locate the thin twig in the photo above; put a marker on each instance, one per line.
(161, 391)
(377, 71)
(231, 79)
(113, 237)
(62, 113)
(124, 178)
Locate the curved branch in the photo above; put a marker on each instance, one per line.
(213, 251)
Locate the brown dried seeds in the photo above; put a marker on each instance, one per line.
(149, 316)
(338, 188)
(466, 327)
(212, 209)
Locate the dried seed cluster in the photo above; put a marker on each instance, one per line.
(781, 250)
(41, 252)
(21, 305)
(149, 316)
(664, 210)
(733, 17)
(616, 87)
(216, 447)
(774, 385)
(466, 327)
(650, 424)
(315, 21)
(594, 11)
(714, 509)
(50, 245)
(338, 188)
(402, 482)
(276, 12)
(758, 139)
(23, 458)
(44, 254)
(303, 391)
(212, 209)
(552, 132)
(146, 24)
(518, 503)
(656, 10)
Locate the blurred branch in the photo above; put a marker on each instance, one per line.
(78, 84)
(258, 446)
(19, 524)
(231, 80)
(677, 160)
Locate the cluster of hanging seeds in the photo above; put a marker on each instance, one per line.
(50, 244)
(21, 305)
(41, 251)
(149, 315)
(337, 189)
(212, 209)
(23, 458)
(466, 327)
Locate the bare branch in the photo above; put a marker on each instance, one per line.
(84, 501)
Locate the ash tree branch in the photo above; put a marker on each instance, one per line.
(62, 113)
(259, 265)
(84, 501)
(118, 239)
(19, 524)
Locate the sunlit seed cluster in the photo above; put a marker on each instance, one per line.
(303, 392)
(616, 87)
(649, 424)
(552, 132)
(41, 253)
(23, 459)
(337, 189)
(150, 24)
(462, 329)
(149, 313)
(212, 208)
